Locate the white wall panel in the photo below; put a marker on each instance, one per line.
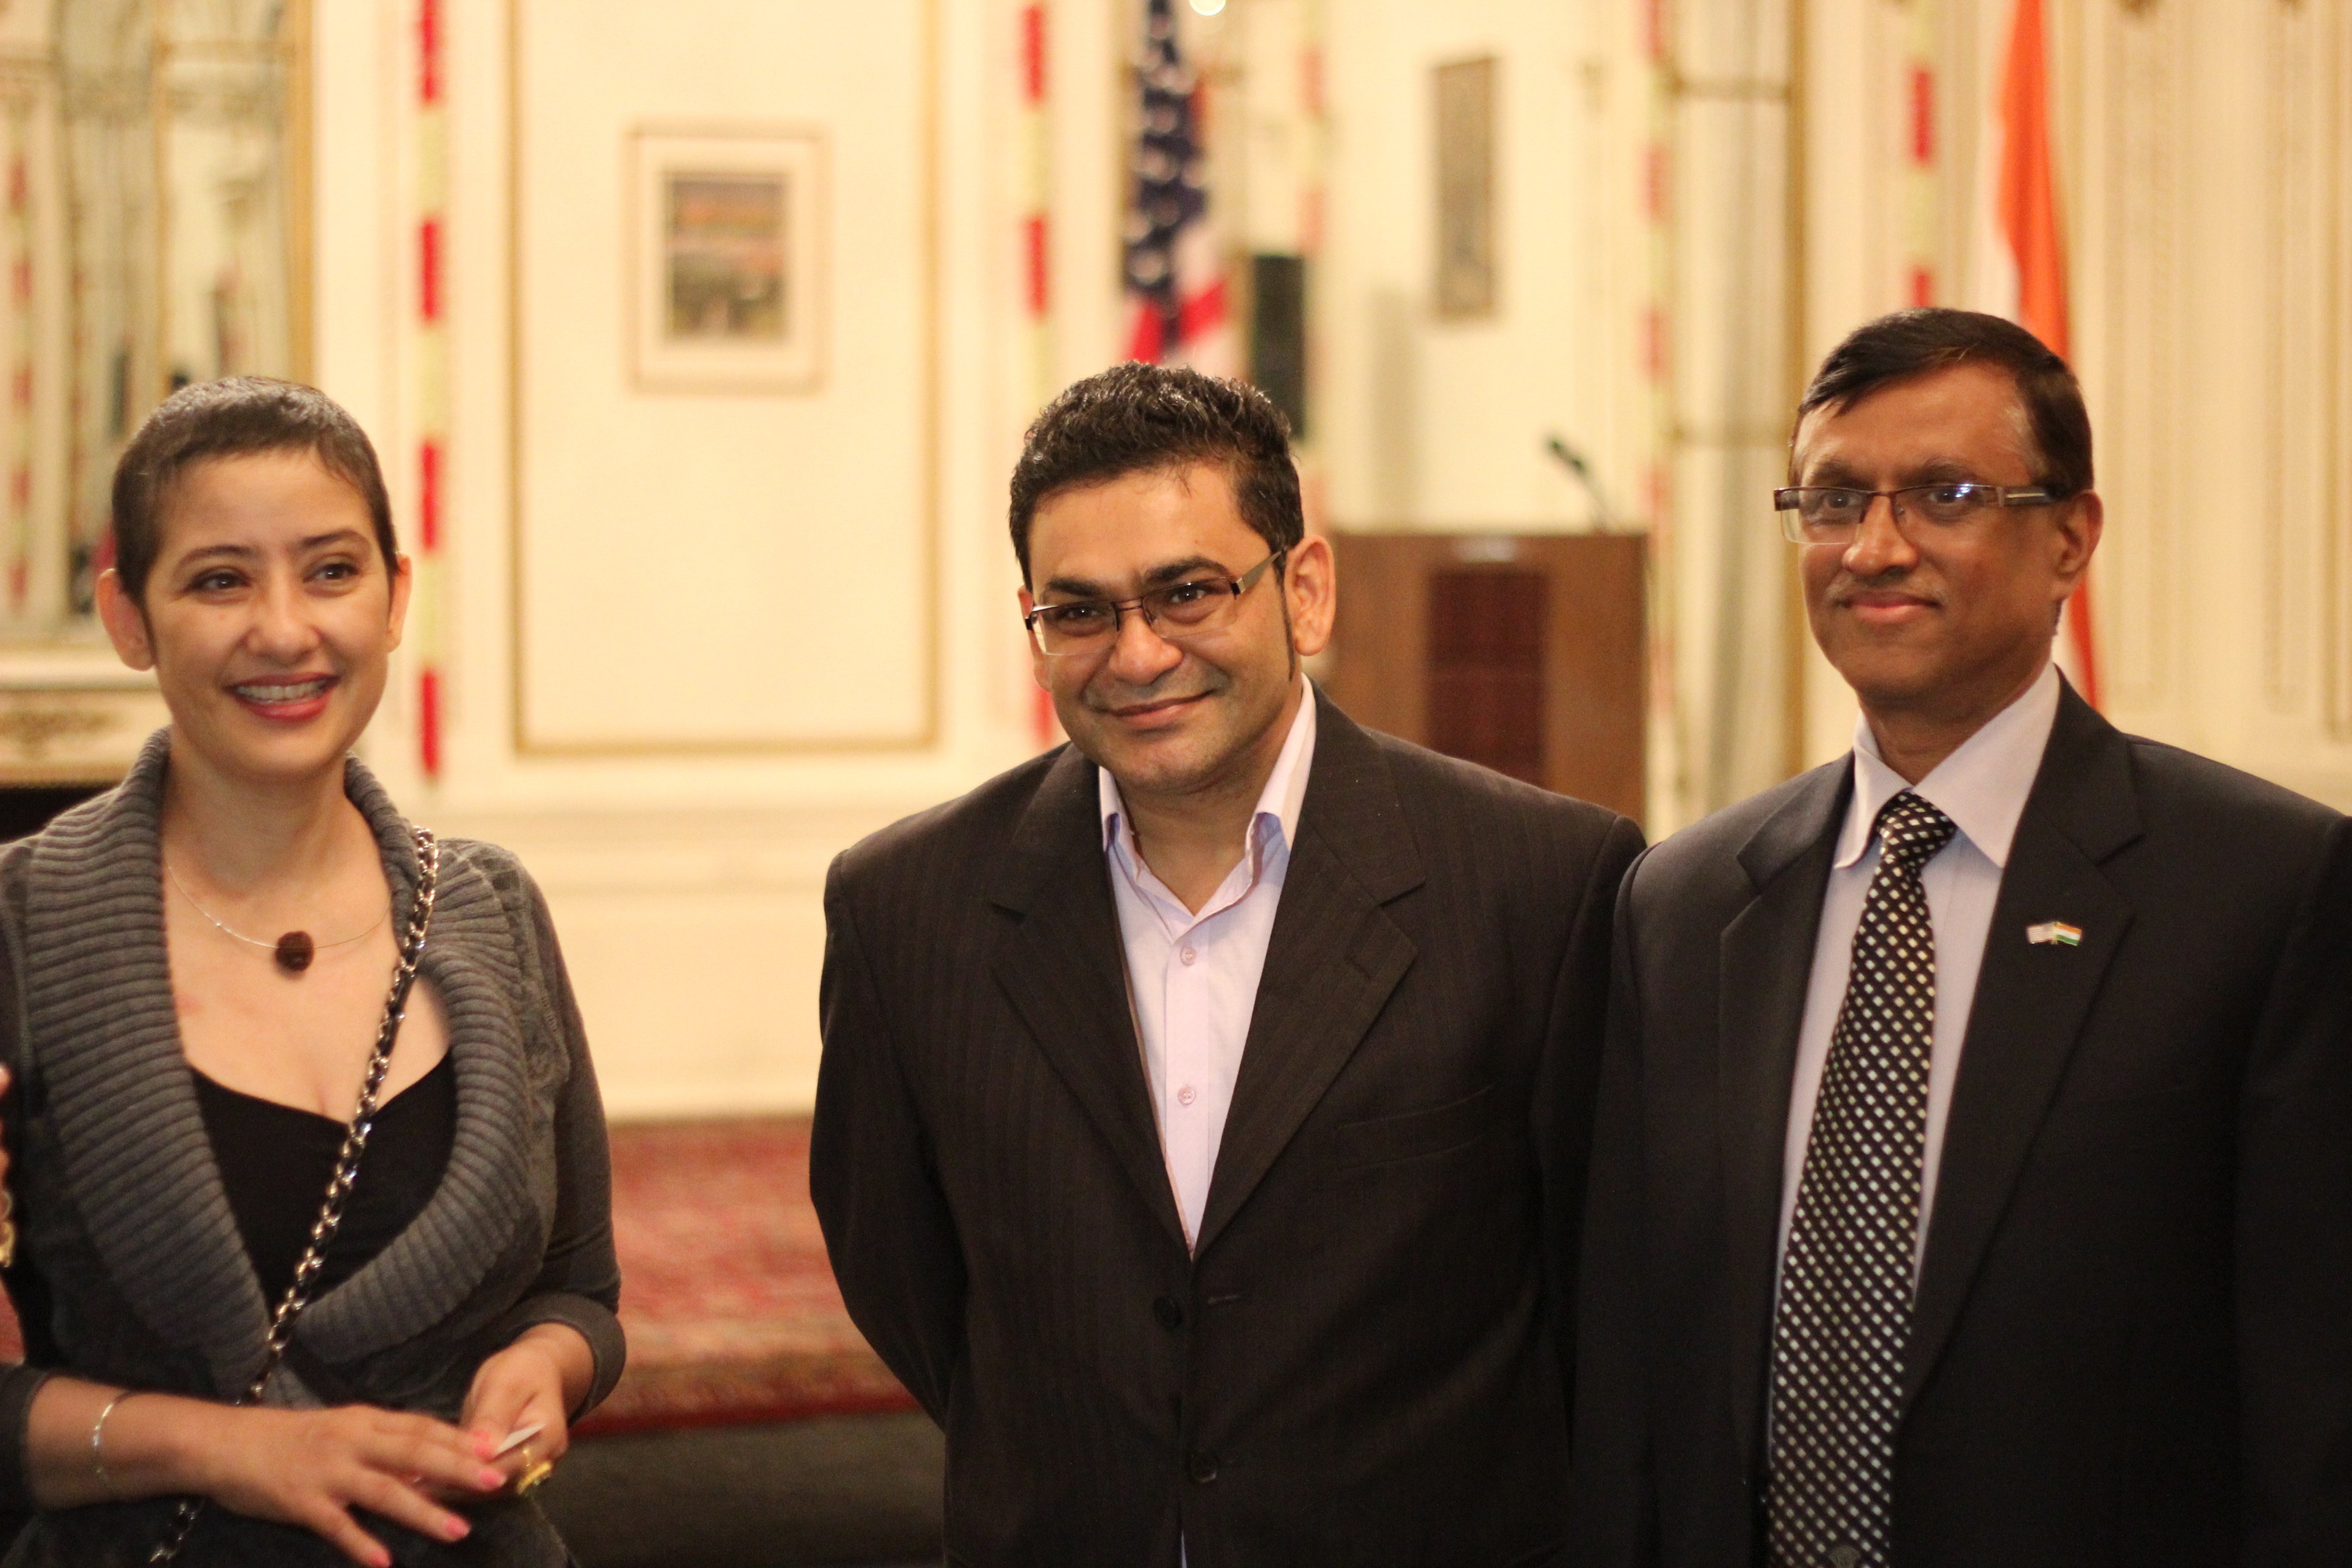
(694, 943)
(746, 540)
(2209, 184)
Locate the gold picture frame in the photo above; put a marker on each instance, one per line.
(727, 290)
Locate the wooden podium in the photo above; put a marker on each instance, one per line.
(1523, 652)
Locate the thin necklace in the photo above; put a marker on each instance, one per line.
(293, 950)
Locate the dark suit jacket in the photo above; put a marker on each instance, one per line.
(1360, 1365)
(2133, 1339)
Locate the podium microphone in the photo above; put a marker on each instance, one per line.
(1603, 515)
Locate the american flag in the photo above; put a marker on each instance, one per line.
(1175, 277)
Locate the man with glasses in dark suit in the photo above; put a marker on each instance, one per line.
(1205, 1104)
(1973, 1181)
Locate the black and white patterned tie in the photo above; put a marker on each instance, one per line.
(1846, 1282)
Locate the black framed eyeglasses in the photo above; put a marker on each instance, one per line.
(1829, 514)
(1198, 603)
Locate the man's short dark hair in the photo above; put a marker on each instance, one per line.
(1137, 418)
(239, 416)
(1913, 342)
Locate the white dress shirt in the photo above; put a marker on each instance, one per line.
(1193, 978)
(1982, 788)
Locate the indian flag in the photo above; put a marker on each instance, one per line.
(2020, 269)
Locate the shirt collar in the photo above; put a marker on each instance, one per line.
(1982, 786)
(1277, 804)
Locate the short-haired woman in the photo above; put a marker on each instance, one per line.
(200, 980)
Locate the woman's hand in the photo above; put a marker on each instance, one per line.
(303, 1467)
(311, 1468)
(534, 1381)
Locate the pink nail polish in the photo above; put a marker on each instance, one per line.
(489, 1480)
(457, 1528)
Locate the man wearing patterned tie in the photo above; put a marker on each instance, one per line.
(1973, 1180)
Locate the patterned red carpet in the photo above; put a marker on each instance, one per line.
(731, 1311)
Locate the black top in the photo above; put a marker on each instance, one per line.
(276, 1161)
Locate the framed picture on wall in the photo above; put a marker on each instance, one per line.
(728, 273)
(1465, 188)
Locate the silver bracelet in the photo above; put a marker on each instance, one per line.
(97, 1435)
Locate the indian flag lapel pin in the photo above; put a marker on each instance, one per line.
(2058, 931)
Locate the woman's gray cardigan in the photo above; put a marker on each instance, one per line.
(129, 1269)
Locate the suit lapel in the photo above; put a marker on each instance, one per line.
(1764, 965)
(1333, 960)
(2030, 1004)
(1064, 975)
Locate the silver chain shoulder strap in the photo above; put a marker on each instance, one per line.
(347, 1167)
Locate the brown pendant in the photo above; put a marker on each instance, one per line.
(295, 950)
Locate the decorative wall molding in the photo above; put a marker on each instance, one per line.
(2328, 134)
(2289, 513)
(693, 939)
(58, 727)
(2131, 317)
(1731, 280)
(2306, 523)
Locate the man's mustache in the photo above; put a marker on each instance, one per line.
(1109, 696)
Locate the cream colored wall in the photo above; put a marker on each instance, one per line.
(2205, 170)
(767, 554)
(1644, 316)
(1425, 422)
(2208, 207)
(2211, 149)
